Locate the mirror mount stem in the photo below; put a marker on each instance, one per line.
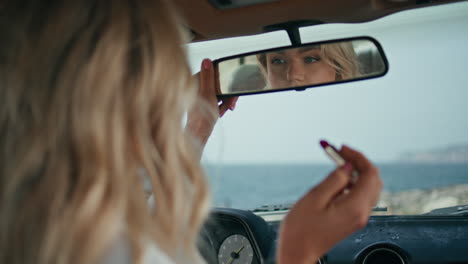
(292, 28)
(294, 36)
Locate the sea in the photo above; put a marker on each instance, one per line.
(249, 186)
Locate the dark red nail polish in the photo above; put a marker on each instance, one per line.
(206, 64)
(348, 167)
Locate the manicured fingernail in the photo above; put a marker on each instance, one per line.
(348, 167)
(222, 113)
(206, 64)
(233, 107)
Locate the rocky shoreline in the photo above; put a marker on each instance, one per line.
(419, 201)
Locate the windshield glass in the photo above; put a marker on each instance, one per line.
(412, 122)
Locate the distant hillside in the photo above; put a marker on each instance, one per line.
(450, 154)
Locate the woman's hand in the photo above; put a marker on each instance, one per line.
(325, 215)
(201, 122)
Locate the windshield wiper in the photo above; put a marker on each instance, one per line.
(459, 210)
(273, 207)
(285, 207)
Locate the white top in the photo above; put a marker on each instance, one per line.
(120, 254)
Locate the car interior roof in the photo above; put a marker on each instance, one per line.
(216, 19)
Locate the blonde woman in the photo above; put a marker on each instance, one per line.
(91, 94)
(309, 65)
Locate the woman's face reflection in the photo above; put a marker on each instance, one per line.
(297, 67)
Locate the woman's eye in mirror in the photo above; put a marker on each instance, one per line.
(311, 59)
(278, 61)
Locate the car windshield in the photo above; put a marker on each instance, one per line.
(412, 122)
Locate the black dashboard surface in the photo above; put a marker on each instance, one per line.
(385, 239)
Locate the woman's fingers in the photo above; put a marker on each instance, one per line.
(208, 89)
(202, 116)
(356, 158)
(230, 102)
(207, 83)
(326, 215)
(364, 194)
(227, 104)
(332, 186)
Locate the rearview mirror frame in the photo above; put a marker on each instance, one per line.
(300, 88)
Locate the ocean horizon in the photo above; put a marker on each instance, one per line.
(249, 186)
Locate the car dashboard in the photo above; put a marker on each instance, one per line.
(233, 236)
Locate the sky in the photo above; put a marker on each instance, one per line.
(421, 103)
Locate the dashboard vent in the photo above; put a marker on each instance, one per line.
(383, 256)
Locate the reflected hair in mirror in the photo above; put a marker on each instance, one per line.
(340, 56)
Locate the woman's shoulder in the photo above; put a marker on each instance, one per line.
(120, 253)
(154, 254)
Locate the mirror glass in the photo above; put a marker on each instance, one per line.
(300, 67)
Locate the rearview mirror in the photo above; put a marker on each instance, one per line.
(300, 67)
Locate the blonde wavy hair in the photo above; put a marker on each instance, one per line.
(340, 56)
(91, 93)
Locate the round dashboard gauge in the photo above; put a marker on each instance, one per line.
(236, 249)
